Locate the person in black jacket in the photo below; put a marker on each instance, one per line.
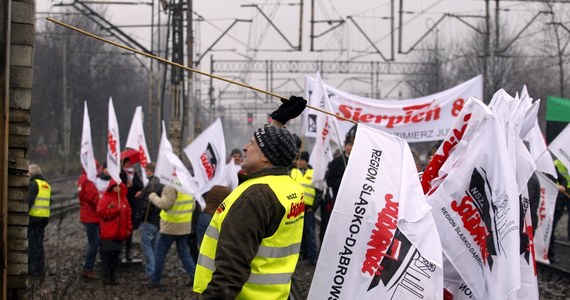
(149, 214)
(333, 177)
(562, 201)
(39, 196)
(131, 179)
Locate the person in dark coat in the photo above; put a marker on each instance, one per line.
(262, 217)
(39, 199)
(213, 198)
(150, 216)
(333, 177)
(134, 184)
(562, 202)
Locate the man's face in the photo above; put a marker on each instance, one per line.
(237, 158)
(254, 159)
(348, 148)
(148, 172)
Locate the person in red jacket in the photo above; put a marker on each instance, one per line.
(116, 226)
(88, 199)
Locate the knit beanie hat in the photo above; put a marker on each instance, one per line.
(304, 156)
(277, 144)
(350, 135)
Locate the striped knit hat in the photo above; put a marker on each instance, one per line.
(277, 144)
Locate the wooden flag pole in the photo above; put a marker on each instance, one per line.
(166, 61)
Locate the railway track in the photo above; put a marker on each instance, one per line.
(64, 196)
(561, 265)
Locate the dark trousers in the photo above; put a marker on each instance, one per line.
(165, 241)
(36, 254)
(562, 204)
(92, 232)
(111, 261)
(309, 243)
(128, 247)
(326, 210)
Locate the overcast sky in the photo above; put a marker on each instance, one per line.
(372, 17)
(258, 40)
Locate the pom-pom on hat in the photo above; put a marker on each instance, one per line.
(277, 144)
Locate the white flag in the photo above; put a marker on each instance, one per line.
(170, 169)
(207, 153)
(560, 146)
(136, 140)
(539, 152)
(476, 209)
(544, 229)
(381, 242)
(231, 170)
(87, 157)
(548, 192)
(321, 154)
(113, 145)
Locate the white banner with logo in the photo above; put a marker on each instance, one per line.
(321, 154)
(548, 190)
(420, 119)
(170, 169)
(381, 241)
(87, 157)
(136, 140)
(207, 153)
(476, 208)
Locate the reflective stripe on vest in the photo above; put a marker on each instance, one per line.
(181, 211)
(276, 258)
(41, 206)
(306, 181)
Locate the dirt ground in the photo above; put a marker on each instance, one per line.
(65, 243)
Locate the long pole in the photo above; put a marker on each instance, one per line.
(187, 68)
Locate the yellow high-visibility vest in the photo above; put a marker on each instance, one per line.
(276, 259)
(181, 211)
(564, 171)
(41, 206)
(306, 181)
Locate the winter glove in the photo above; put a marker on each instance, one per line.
(290, 109)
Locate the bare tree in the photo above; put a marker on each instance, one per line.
(69, 69)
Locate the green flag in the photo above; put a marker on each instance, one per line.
(557, 109)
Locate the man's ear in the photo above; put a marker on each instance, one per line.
(264, 160)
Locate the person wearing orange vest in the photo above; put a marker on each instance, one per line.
(251, 247)
(39, 199)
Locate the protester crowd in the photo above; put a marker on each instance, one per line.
(253, 225)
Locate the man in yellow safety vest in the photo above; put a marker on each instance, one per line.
(39, 197)
(251, 247)
(175, 226)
